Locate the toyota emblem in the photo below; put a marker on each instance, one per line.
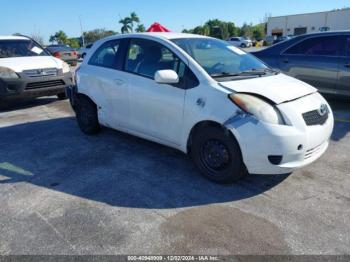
(323, 110)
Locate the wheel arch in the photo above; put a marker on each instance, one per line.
(206, 123)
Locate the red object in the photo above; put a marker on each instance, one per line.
(74, 53)
(156, 27)
(57, 54)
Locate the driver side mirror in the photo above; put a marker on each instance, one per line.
(166, 77)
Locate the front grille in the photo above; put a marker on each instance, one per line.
(41, 72)
(314, 118)
(44, 84)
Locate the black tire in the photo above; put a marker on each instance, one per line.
(243, 45)
(87, 117)
(230, 167)
(83, 56)
(62, 96)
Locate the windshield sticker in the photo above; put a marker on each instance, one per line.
(36, 50)
(236, 50)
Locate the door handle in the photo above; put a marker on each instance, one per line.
(286, 61)
(118, 82)
(347, 65)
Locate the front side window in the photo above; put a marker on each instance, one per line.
(146, 57)
(316, 46)
(106, 55)
(219, 57)
(20, 48)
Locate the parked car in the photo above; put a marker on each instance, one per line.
(281, 39)
(240, 42)
(205, 97)
(84, 50)
(65, 53)
(26, 69)
(320, 59)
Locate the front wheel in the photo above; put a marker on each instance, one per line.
(62, 96)
(243, 45)
(217, 155)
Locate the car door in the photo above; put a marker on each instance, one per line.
(343, 84)
(155, 110)
(107, 83)
(314, 60)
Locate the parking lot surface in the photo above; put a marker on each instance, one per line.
(62, 192)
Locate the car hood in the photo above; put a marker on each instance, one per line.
(278, 88)
(18, 64)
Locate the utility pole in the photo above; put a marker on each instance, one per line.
(82, 32)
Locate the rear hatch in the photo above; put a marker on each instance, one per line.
(277, 88)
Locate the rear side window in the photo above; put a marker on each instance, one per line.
(106, 55)
(316, 46)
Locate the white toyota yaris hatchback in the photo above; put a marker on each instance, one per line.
(205, 97)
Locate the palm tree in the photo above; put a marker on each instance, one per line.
(140, 28)
(134, 19)
(127, 25)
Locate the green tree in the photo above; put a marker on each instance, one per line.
(259, 31)
(126, 25)
(97, 34)
(73, 42)
(247, 30)
(134, 19)
(140, 28)
(59, 37)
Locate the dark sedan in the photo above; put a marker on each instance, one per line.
(320, 59)
(65, 53)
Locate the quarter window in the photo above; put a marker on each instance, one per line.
(316, 46)
(106, 55)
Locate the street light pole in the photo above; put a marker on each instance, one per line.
(82, 32)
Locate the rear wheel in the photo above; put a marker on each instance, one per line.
(217, 155)
(87, 117)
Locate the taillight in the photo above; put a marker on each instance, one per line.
(74, 53)
(57, 54)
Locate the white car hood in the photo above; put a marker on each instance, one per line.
(278, 88)
(18, 64)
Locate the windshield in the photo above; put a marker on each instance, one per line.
(218, 57)
(20, 48)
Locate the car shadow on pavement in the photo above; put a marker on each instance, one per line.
(7, 105)
(112, 167)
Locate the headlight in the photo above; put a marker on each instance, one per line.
(65, 68)
(261, 109)
(7, 73)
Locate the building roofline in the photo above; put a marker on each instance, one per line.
(321, 12)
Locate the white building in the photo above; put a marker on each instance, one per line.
(309, 23)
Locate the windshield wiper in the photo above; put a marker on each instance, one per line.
(252, 72)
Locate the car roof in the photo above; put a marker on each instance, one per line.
(170, 35)
(12, 37)
(335, 32)
(167, 35)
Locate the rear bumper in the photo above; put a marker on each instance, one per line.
(34, 86)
